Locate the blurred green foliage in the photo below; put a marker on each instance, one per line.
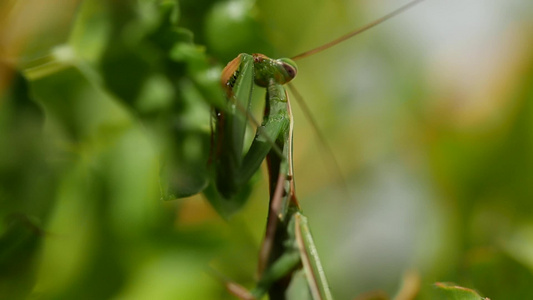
(105, 113)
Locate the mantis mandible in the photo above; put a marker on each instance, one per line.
(288, 255)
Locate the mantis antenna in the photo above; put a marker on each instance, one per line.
(299, 98)
(357, 31)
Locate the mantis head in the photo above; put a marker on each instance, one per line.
(280, 70)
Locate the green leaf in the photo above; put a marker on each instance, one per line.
(227, 207)
(19, 245)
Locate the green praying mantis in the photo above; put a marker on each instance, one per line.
(288, 246)
(288, 258)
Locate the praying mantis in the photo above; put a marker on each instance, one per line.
(288, 258)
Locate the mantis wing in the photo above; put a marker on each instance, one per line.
(226, 192)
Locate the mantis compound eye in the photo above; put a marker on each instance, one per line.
(289, 67)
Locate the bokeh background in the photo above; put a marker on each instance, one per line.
(105, 113)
